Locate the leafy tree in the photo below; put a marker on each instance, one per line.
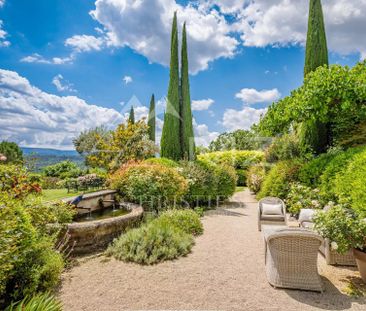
(128, 142)
(90, 141)
(152, 119)
(131, 117)
(314, 133)
(333, 95)
(187, 134)
(238, 140)
(170, 140)
(11, 152)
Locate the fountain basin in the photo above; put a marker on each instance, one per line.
(94, 235)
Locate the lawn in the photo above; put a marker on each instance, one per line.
(54, 194)
(239, 189)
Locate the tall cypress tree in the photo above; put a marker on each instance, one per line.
(151, 119)
(170, 139)
(316, 42)
(131, 118)
(187, 134)
(314, 133)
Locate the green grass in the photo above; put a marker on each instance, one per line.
(239, 189)
(55, 194)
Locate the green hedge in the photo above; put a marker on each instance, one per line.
(277, 182)
(350, 184)
(240, 160)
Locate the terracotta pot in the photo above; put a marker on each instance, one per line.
(361, 262)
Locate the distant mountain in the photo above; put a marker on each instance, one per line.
(41, 151)
(37, 158)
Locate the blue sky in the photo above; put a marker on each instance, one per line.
(62, 65)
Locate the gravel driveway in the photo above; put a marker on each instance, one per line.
(225, 271)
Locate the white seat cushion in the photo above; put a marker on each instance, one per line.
(271, 209)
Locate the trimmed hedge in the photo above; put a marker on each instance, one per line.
(240, 160)
(151, 185)
(277, 182)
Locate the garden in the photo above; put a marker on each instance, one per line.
(308, 150)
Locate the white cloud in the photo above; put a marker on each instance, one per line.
(241, 119)
(61, 84)
(253, 96)
(85, 43)
(3, 35)
(127, 79)
(2, 2)
(145, 27)
(204, 104)
(39, 59)
(284, 22)
(203, 136)
(228, 6)
(43, 119)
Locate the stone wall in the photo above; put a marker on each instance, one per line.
(91, 236)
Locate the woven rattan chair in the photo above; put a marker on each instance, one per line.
(291, 258)
(271, 219)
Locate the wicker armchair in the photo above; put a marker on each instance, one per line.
(291, 259)
(271, 219)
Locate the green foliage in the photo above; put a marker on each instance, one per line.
(10, 153)
(171, 138)
(350, 185)
(237, 140)
(313, 137)
(301, 196)
(162, 161)
(311, 171)
(152, 243)
(316, 43)
(242, 177)
(208, 181)
(150, 184)
(131, 117)
(151, 121)
(64, 169)
(186, 220)
(342, 227)
(187, 134)
(285, 147)
(238, 159)
(332, 95)
(16, 181)
(278, 180)
(29, 263)
(255, 177)
(39, 302)
(128, 142)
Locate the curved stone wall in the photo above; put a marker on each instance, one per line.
(91, 236)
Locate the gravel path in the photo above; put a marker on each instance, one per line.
(225, 271)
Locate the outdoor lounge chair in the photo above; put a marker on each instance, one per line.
(291, 258)
(271, 211)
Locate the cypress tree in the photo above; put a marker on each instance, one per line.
(131, 118)
(170, 139)
(151, 119)
(314, 133)
(187, 134)
(316, 42)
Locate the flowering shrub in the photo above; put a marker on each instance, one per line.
(301, 196)
(255, 177)
(90, 180)
(343, 227)
(149, 184)
(16, 181)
